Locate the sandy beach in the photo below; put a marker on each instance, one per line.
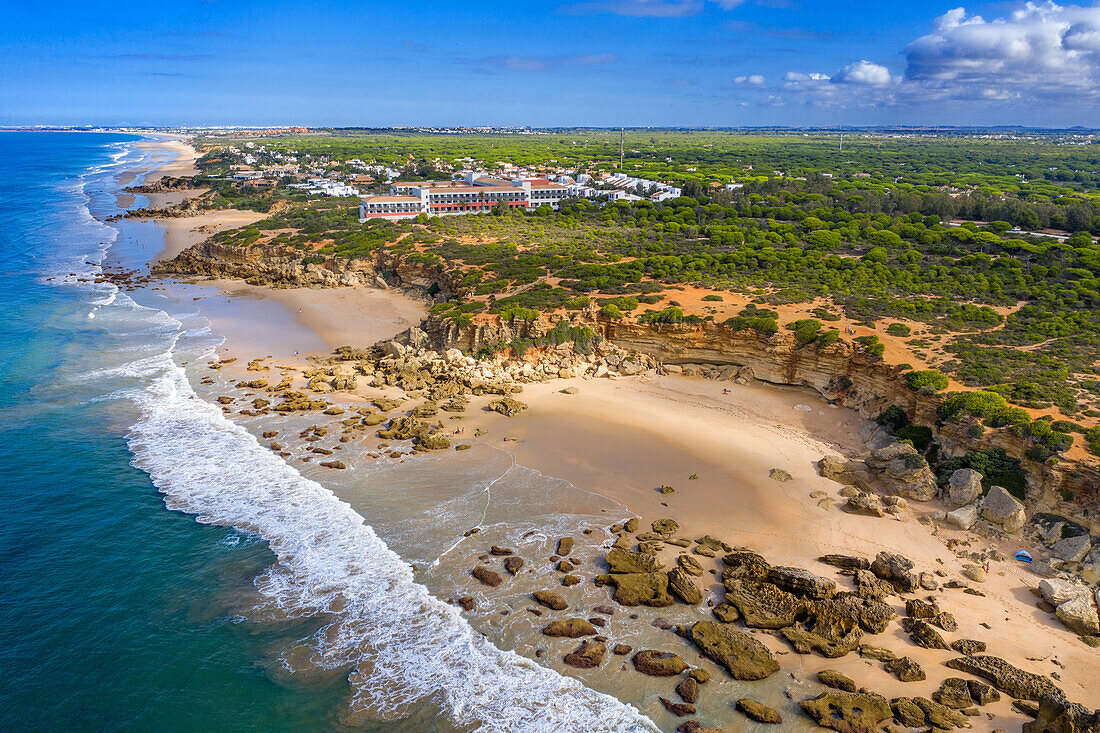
(621, 439)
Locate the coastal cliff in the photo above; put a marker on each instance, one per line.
(839, 372)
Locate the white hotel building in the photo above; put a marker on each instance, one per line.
(469, 196)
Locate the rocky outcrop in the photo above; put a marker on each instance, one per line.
(758, 711)
(588, 655)
(659, 664)
(641, 589)
(744, 657)
(626, 561)
(1005, 677)
(1056, 715)
(848, 712)
(762, 605)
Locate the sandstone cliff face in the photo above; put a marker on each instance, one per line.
(285, 267)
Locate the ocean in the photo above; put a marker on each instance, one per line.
(160, 569)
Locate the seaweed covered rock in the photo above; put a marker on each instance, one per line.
(487, 576)
(683, 587)
(954, 693)
(758, 711)
(836, 680)
(553, 601)
(572, 628)
(588, 655)
(762, 605)
(1005, 677)
(847, 712)
(826, 632)
(658, 664)
(627, 561)
(688, 690)
(923, 634)
(744, 657)
(641, 589)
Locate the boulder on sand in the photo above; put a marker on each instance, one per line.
(904, 471)
(906, 669)
(762, 605)
(744, 657)
(489, 577)
(964, 487)
(1072, 549)
(1001, 507)
(836, 680)
(964, 517)
(896, 569)
(1056, 715)
(1079, 615)
(683, 587)
(849, 473)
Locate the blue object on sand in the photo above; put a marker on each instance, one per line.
(1023, 556)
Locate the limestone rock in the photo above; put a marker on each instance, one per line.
(572, 628)
(974, 572)
(868, 505)
(849, 473)
(1072, 549)
(689, 565)
(906, 669)
(904, 471)
(846, 562)
(642, 589)
(762, 605)
(923, 634)
(1005, 677)
(683, 587)
(658, 664)
(725, 612)
(941, 717)
(743, 656)
(679, 709)
(982, 693)
(964, 517)
(1001, 507)
(1079, 615)
(964, 487)
(1056, 591)
(565, 546)
(968, 647)
(489, 577)
(588, 655)
(506, 406)
(626, 561)
(826, 632)
(688, 690)
(513, 564)
(801, 582)
(954, 693)
(836, 680)
(551, 600)
(1056, 715)
(847, 712)
(896, 569)
(916, 608)
(665, 527)
(778, 474)
(758, 711)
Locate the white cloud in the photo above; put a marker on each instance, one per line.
(863, 72)
(798, 76)
(1040, 50)
(755, 80)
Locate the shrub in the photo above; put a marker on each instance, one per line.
(805, 330)
(828, 338)
(898, 329)
(926, 381)
(576, 304)
(979, 404)
(611, 311)
(515, 312)
(672, 314)
(713, 298)
(872, 345)
(996, 467)
(763, 326)
(919, 435)
(1092, 438)
(893, 417)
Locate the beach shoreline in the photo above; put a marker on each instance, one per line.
(623, 438)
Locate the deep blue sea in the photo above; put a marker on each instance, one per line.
(159, 569)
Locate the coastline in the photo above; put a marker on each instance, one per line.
(623, 438)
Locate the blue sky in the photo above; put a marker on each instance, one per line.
(550, 62)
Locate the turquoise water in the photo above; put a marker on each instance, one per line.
(115, 612)
(263, 602)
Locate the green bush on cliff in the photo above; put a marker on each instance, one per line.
(1092, 439)
(996, 467)
(927, 381)
(898, 329)
(980, 404)
(893, 417)
(805, 330)
(612, 312)
(872, 345)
